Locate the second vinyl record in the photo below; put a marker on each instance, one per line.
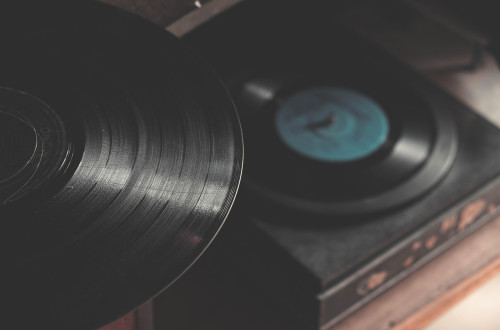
(340, 137)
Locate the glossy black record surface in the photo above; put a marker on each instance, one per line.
(123, 153)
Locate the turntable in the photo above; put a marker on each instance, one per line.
(124, 157)
(322, 229)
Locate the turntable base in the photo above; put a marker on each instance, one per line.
(325, 273)
(216, 296)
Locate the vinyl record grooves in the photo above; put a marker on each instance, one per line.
(325, 138)
(121, 155)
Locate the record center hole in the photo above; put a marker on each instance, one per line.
(328, 121)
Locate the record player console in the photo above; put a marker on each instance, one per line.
(323, 229)
(121, 156)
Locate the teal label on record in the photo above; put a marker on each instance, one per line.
(332, 124)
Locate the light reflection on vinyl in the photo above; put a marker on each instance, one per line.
(136, 162)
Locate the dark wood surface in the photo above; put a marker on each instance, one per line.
(140, 319)
(178, 16)
(161, 12)
(216, 296)
(429, 292)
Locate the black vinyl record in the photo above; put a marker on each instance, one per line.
(311, 127)
(120, 158)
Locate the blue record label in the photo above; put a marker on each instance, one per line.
(332, 124)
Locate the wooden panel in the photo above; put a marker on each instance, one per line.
(140, 319)
(178, 16)
(431, 290)
(161, 12)
(450, 298)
